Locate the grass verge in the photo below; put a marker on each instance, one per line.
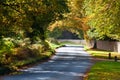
(102, 53)
(105, 69)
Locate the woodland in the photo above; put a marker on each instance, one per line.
(29, 28)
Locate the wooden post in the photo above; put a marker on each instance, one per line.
(109, 55)
(115, 58)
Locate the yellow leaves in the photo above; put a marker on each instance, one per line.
(75, 5)
(55, 24)
(84, 19)
(52, 26)
(4, 19)
(85, 27)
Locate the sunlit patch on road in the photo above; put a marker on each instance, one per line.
(69, 63)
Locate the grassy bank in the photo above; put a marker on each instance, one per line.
(14, 66)
(107, 69)
(26, 57)
(102, 53)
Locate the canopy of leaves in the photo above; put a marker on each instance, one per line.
(106, 23)
(30, 16)
(98, 19)
(74, 21)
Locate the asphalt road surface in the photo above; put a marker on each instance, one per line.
(69, 63)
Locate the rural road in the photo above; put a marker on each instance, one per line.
(69, 63)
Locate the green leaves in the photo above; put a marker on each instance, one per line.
(106, 20)
(30, 16)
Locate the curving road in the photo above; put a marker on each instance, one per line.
(69, 63)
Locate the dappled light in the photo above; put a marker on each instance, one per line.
(69, 63)
(53, 32)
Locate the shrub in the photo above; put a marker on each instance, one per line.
(23, 53)
(21, 42)
(52, 40)
(6, 50)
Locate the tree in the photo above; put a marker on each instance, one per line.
(105, 24)
(34, 16)
(98, 18)
(76, 20)
(42, 16)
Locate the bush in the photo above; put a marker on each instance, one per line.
(52, 40)
(6, 45)
(24, 53)
(21, 42)
(45, 45)
(6, 50)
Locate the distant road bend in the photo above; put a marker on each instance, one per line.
(69, 63)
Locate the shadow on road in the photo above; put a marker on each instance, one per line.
(69, 63)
